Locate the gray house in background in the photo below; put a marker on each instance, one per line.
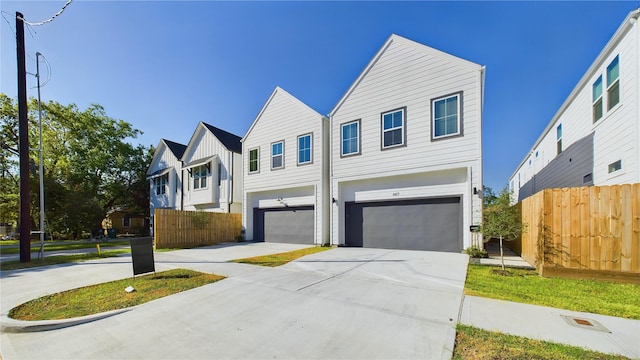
(594, 138)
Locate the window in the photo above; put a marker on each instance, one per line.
(219, 174)
(350, 138)
(559, 139)
(615, 166)
(446, 116)
(160, 184)
(597, 99)
(126, 221)
(304, 149)
(613, 83)
(587, 178)
(393, 133)
(277, 155)
(254, 161)
(199, 174)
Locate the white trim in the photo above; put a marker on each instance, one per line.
(199, 162)
(310, 161)
(458, 115)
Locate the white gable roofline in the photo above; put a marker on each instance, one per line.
(399, 39)
(278, 89)
(602, 57)
(161, 145)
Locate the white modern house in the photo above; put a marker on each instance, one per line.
(594, 138)
(406, 161)
(165, 177)
(212, 171)
(286, 173)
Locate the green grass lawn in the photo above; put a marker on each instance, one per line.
(474, 343)
(281, 258)
(111, 296)
(525, 286)
(59, 259)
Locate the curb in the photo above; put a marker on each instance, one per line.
(9, 325)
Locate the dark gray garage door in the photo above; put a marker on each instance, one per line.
(292, 225)
(423, 224)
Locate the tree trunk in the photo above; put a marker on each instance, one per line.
(501, 253)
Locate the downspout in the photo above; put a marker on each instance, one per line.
(230, 180)
(181, 185)
(331, 242)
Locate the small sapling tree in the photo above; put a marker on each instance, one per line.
(501, 220)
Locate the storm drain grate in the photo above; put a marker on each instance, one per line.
(583, 323)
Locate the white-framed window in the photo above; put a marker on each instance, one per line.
(160, 184)
(277, 155)
(199, 175)
(254, 160)
(305, 143)
(597, 99)
(613, 83)
(559, 139)
(446, 116)
(350, 138)
(393, 128)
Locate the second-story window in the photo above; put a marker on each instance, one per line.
(200, 174)
(254, 161)
(277, 155)
(350, 138)
(613, 83)
(160, 183)
(393, 128)
(446, 116)
(597, 99)
(304, 149)
(559, 139)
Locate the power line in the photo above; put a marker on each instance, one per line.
(51, 18)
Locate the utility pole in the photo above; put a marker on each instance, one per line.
(23, 135)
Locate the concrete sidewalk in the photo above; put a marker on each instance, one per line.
(607, 334)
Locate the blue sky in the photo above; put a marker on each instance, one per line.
(166, 65)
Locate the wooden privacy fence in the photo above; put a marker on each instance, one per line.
(178, 229)
(585, 232)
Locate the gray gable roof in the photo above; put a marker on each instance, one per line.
(230, 141)
(176, 148)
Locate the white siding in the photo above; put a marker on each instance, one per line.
(216, 198)
(284, 118)
(407, 74)
(615, 136)
(163, 158)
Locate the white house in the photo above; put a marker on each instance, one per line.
(212, 171)
(594, 138)
(406, 163)
(165, 177)
(286, 172)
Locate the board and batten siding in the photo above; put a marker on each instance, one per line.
(214, 198)
(165, 159)
(405, 74)
(615, 136)
(284, 118)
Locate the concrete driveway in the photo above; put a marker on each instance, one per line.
(345, 303)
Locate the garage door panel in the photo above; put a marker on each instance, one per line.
(424, 224)
(293, 225)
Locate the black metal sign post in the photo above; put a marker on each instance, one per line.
(142, 256)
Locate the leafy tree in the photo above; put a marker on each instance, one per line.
(501, 220)
(89, 167)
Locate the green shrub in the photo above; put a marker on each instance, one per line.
(476, 252)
